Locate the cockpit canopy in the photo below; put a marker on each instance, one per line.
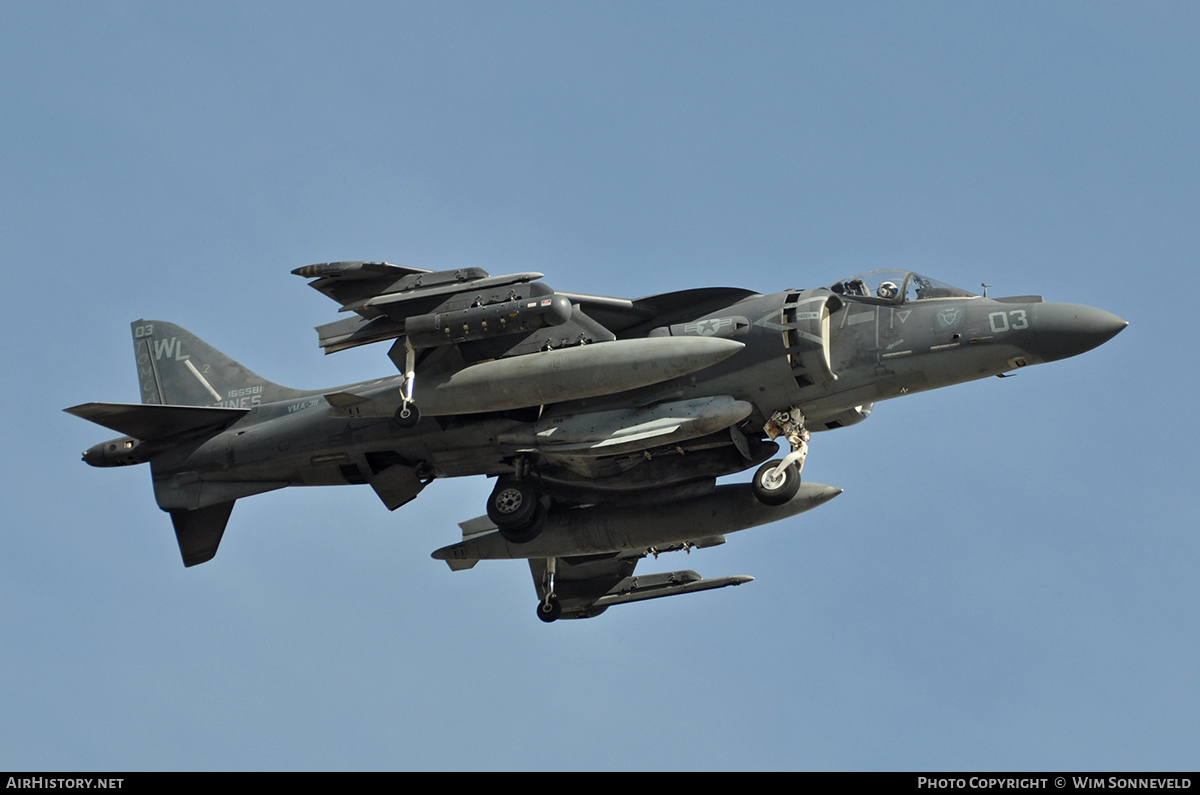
(894, 286)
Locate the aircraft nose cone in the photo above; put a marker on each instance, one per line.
(1064, 330)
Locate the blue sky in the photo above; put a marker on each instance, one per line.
(1008, 581)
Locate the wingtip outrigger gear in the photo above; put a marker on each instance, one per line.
(549, 609)
(408, 414)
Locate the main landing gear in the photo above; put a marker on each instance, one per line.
(776, 482)
(516, 510)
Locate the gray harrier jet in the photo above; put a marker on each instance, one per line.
(604, 421)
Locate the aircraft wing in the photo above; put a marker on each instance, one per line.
(436, 308)
(347, 282)
(624, 316)
(472, 343)
(485, 316)
(586, 586)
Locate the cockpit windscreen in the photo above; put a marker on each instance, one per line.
(896, 286)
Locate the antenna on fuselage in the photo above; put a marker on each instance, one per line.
(984, 286)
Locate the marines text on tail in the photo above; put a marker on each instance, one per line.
(604, 421)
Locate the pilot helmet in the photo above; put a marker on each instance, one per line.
(887, 290)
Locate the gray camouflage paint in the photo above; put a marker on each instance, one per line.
(603, 407)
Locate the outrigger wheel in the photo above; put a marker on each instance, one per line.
(515, 510)
(407, 416)
(549, 610)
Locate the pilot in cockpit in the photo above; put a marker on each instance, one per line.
(888, 290)
(852, 287)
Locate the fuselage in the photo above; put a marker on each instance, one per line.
(605, 422)
(832, 353)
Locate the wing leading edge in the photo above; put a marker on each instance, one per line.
(584, 587)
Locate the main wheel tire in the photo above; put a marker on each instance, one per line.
(512, 504)
(524, 535)
(549, 612)
(777, 489)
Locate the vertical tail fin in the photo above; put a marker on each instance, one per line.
(178, 368)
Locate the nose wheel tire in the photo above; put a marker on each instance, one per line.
(771, 488)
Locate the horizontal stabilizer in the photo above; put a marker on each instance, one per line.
(153, 421)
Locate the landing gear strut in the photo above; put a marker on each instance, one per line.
(776, 482)
(408, 415)
(549, 609)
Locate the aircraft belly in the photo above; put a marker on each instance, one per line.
(464, 462)
(661, 476)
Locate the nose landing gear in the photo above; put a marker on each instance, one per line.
(776, 482)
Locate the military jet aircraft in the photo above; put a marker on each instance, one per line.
(605, 422)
